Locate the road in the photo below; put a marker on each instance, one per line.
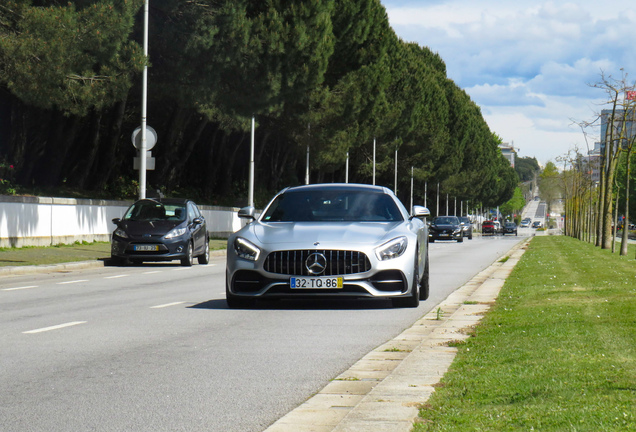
(155, 348)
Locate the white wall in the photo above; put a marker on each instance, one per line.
(39, 221)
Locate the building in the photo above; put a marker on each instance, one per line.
(508, 151)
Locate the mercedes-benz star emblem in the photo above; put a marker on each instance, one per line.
(316, 263)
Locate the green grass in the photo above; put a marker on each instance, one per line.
(557, 352)
(67, 253)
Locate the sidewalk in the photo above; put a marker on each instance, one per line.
(384, 390)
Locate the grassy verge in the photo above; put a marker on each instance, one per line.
(67, 253)
(557, 352)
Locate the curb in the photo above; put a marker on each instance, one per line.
(68, 266)
(384, 390)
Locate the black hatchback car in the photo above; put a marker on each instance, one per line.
(445, 228)
(161, 229)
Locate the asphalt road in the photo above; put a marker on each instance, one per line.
(155, 348)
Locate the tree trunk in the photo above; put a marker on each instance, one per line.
(625, 237)
(110, 148)
(86, 164)
(186, 152)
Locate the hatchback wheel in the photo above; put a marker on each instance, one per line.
(205, 257)
(188, 260)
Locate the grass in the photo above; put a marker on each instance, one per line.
(67, 253)
(557, 352)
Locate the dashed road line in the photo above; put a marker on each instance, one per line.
(117, 276)
(55, 327)
(72, 282)
(166, 305)
(152, 272)
(20, 288)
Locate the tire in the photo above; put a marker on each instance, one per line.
(470, 237)
(205, 257)
(424, 285)
(188, 260)
(460, 239)
(431, 241)
(413, 300)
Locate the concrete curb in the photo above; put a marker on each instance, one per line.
(68, 266)
(384, 390)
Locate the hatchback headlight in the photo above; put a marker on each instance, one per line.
(177, 232)
(121, 233)
(246, 250)
(391, 249)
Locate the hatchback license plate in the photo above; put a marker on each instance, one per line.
(146, 248)
(315, 282)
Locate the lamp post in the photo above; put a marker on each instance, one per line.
(144, 102)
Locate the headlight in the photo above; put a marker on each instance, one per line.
(458, 230)
(391, 249)
(177, 232)
(121, 233)
(246, 250)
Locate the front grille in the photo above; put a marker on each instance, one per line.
(339, 262)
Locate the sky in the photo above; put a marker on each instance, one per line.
(529, 65)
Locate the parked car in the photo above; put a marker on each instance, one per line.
(537, 224)
(510, 228)
(491, 227)
(330, 240)
(467, 227)
(161, 229)
(445, 228)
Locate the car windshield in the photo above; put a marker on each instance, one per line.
(446, 220)
(464, 220)
(332, 205)
(155, 211)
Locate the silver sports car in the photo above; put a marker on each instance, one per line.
(330, 240)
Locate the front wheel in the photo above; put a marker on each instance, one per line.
(413, 300)
(188, 260)
(205, 257)
(425, 286)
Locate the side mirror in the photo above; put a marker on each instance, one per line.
(198, 220)
(247, 213)
(116, 221)
(420, 212)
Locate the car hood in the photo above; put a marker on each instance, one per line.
(305, 234)
(138, 228)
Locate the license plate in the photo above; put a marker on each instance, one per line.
(146, 248)
(315, 282)
(443, 235)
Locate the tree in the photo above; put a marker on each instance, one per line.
(549, 184)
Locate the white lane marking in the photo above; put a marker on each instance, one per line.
(152, 272)
(72, 282)
(116, 276)
(182, 268)
(19, 288)
(166, 305)
(55, 327)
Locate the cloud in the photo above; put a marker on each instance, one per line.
(528, 65)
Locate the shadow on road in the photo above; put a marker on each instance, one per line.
(302, 304)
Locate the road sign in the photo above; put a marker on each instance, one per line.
(151, 138)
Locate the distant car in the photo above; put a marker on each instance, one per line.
(525, 223)
(445, 228)
(330, 240)
(162, 229)
(510, 228)
(491, 227)
(537, 224)
(467, 227)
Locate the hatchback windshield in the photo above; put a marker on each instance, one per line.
(446, 220)
(154, 211)
(332, 205)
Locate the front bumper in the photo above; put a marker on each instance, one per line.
(384, 279)
(165, 250)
